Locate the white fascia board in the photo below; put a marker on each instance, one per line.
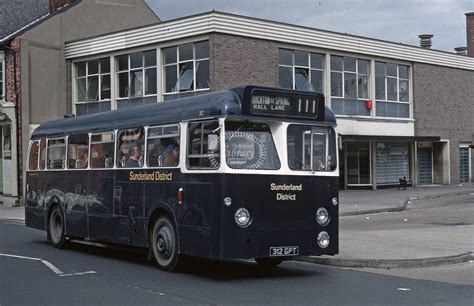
(262, 29)
(347, 126)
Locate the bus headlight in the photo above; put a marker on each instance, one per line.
(242, 217)
(323, 240)
(322, 216)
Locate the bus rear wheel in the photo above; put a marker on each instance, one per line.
(266, 262)
(56, 227)
(164, 244)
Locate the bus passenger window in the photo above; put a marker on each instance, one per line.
(42, 152)
(163, 146)
(130, 148)
(203, 145)
(311, 148)
(78, 151)
(56, 153)
(34, 156)
(102, 150)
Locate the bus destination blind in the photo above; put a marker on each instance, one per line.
(286, 104)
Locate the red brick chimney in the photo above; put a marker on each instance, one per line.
(470, 33)
(56, 5)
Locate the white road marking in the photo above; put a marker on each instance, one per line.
(403, 289)
(48, 264)
(78, 273)
(51, 267)
(13, 222)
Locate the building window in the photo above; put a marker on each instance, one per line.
(136, 74)
(301, 70)
(392, 90)
(186, 68)
(92, 81)
(350, 78)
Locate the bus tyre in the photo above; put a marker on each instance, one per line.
(265, 262)
(164, 244)
(56, 227)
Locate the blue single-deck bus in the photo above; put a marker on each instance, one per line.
(249, 172)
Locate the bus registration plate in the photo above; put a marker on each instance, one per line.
(284, 251)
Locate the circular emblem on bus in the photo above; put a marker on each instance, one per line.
(243, 150)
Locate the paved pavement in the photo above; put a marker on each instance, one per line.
(371, 237)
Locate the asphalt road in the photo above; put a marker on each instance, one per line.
(120, 277)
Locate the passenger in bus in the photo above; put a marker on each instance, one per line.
(171, 155)
(133, 160)
(81, 163)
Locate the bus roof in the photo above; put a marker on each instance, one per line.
(223, 103)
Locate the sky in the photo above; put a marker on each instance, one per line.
(392, 20)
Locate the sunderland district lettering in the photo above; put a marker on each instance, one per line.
(287, 196)
(150, 176)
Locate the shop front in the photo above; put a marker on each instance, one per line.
(382, 161)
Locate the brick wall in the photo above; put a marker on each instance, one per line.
(13, 94)
(238, 60)
(444, 106)
(470, 33)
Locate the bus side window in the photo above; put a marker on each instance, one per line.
(203, 145)
(130, 147)
(78, 151)
(34, 152)
(56, 153)
(42, 158)
(102, 150)
(163, 146)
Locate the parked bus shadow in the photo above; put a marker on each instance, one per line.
(197, 267)
(241, 269)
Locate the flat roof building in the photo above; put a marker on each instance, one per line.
(403, 111)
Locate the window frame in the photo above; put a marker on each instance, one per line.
(398, 79)
(99, 75)
(91, 142)
(147, 138)
(143, 68)
(118, 145)
(189, 147)
(47, 166)
(314, 130)
(294, 66)
(37, 158)
(178, 63)
(358, 75)
(88, 151)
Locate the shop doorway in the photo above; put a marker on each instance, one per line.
(425, 166)
(358, 164)
(464, 164)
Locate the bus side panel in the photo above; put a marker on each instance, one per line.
(197, 218)
(76, 203)
(104, 224)
(194, 216)
(34, 206)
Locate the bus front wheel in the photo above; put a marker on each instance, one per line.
(268, 262)
(164, 244)
(56, 227)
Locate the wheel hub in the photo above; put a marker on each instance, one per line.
(164, 242)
